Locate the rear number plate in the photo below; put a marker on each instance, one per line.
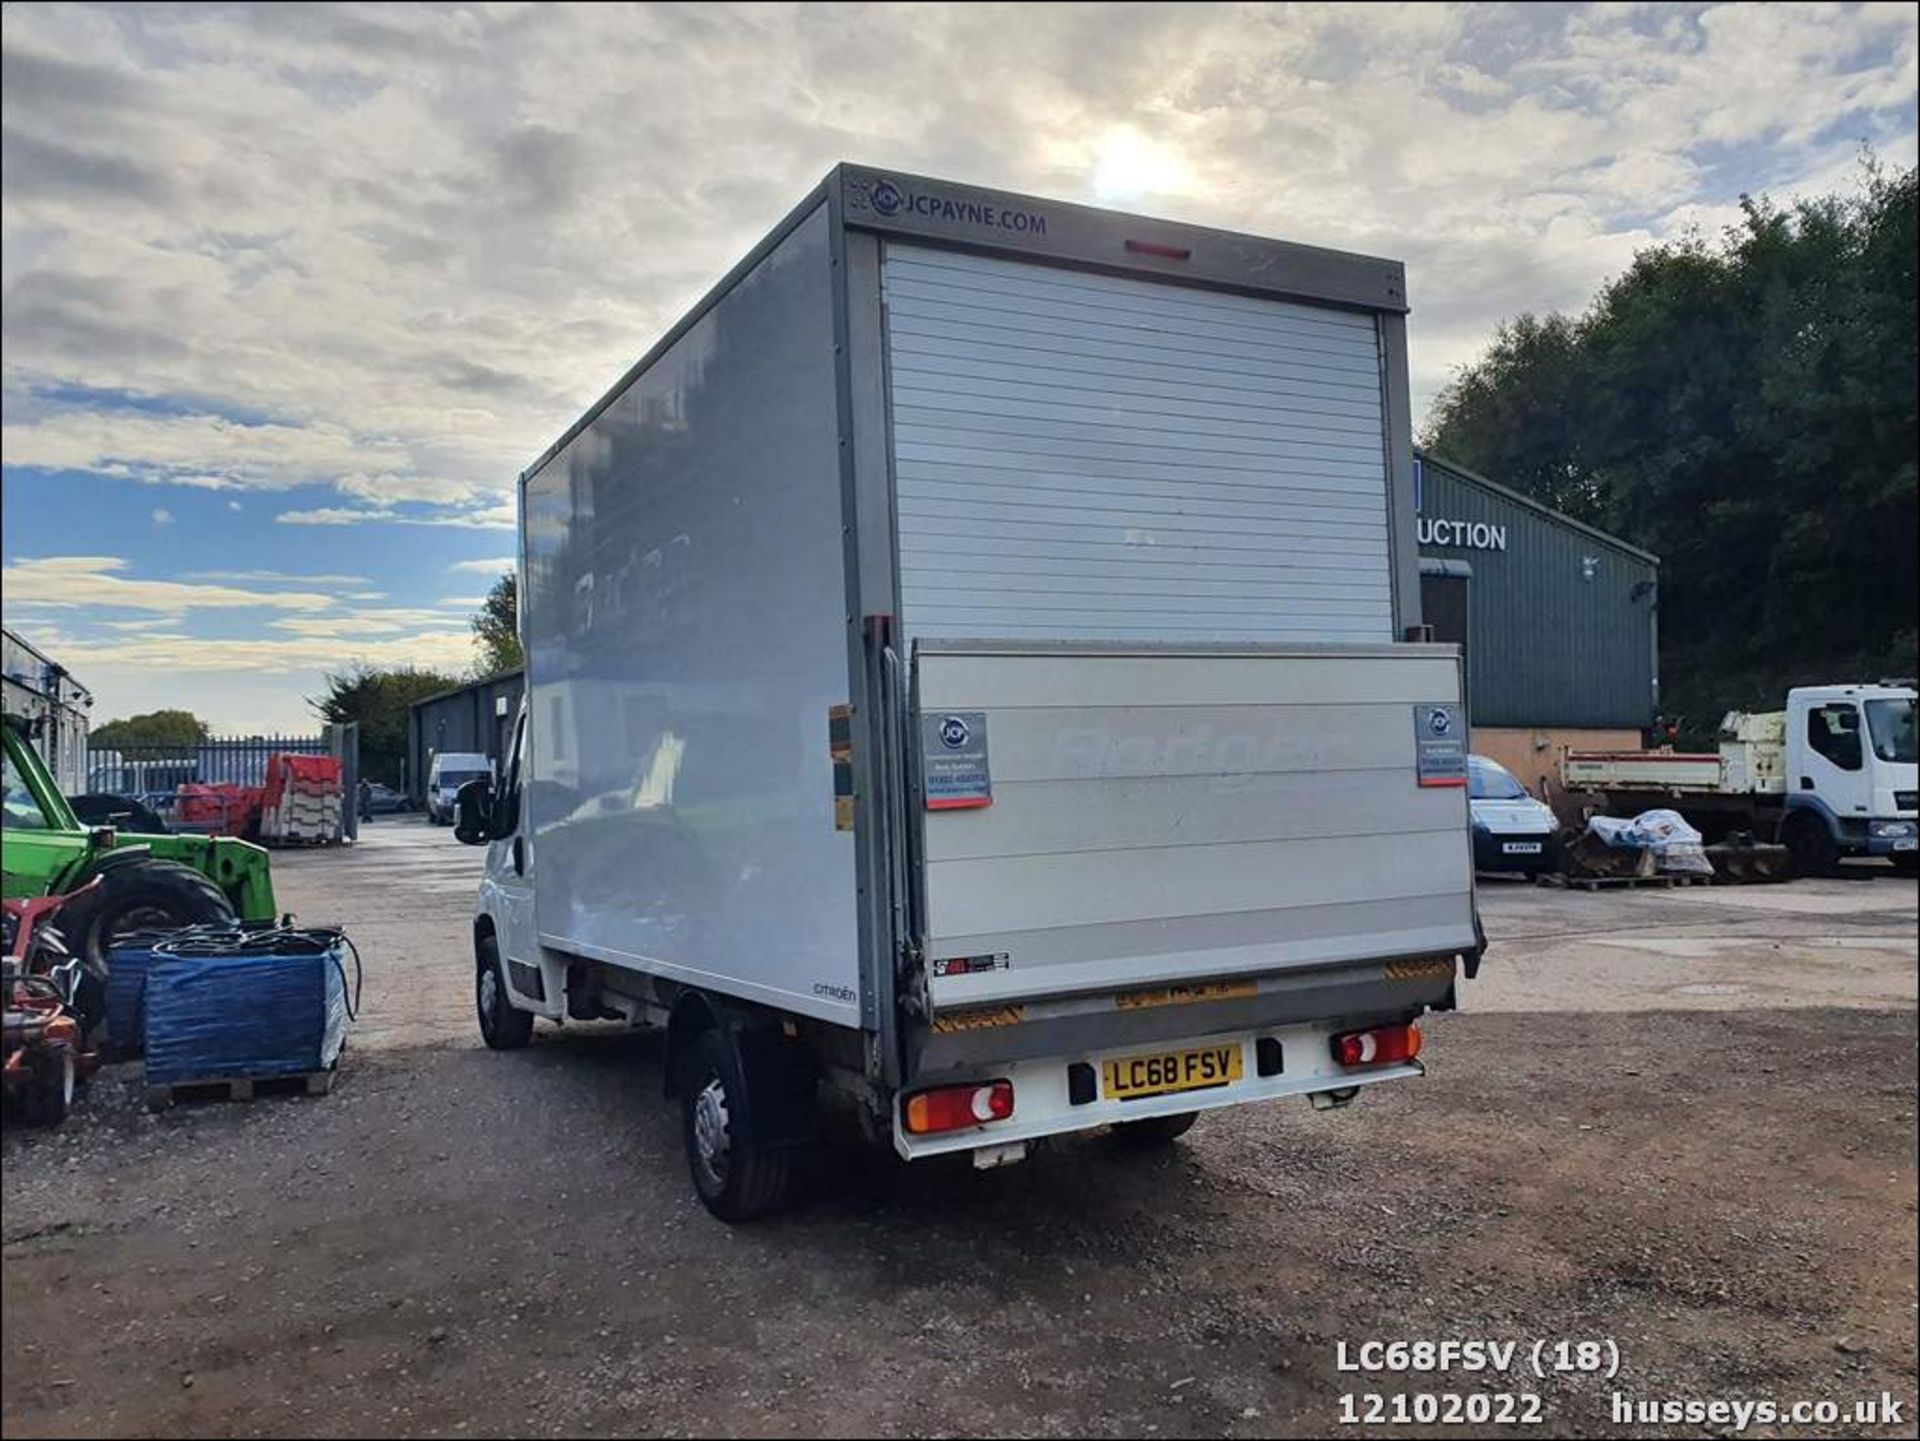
(1164, 1072)
(1521, 848)
(1910, 843)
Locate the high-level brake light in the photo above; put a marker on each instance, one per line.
(1154, 247)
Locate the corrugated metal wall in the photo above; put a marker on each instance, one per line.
(1561, 623)
(461, 720)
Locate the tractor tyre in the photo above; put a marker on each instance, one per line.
(128, 813)
(145, 895)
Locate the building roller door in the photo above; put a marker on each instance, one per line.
(1094, 457)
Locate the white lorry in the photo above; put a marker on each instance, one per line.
(974, 671)
(1831, 776)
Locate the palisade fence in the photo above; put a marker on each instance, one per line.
(193, 788)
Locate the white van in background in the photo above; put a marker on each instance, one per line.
(451, 770)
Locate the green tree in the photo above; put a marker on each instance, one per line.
(496, 628)
(1746, 409)
(1520, 402)
(177, 730)
(378, 699)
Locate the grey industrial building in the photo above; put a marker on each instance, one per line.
(477, 716)
(1559, 622)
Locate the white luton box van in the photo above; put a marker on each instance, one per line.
(974, 671)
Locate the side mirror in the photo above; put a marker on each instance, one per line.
(473, 811)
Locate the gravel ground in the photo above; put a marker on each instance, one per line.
(461, 1243)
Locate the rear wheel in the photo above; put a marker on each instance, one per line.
(503, 1026)
(737, 1180)
(1154, 1130)
(1812, 846)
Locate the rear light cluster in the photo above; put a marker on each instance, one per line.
(1164, 251)
(1381, 1046)
(955, 1108)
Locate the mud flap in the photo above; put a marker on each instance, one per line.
(779, 1106)
(779, 1075)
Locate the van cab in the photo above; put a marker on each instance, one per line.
(451, 770)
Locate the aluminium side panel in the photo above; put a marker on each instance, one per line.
(685, 617)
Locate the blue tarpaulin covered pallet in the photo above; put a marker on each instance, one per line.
(127, 961)
(129, 958)
(268, 1004)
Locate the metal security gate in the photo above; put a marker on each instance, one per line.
(1100, 457)
(192, 787)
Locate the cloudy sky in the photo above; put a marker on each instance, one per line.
(291, 293)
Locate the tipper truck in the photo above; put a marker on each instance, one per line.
(975, 675)
(1830, 777)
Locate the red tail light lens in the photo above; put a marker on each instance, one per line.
(1382, 1046)
(955, 1108)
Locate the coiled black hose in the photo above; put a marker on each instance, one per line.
(268, 938)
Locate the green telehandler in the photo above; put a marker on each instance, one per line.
(147, 882)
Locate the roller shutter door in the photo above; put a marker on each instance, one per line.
(1097, 457)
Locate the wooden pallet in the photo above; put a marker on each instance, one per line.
(1663, 879)
(239, 1088)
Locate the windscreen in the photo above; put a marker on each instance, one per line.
(18, 809)
(1490, 781)
(1890, 722)
(455, 779)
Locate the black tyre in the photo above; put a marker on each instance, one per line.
(736, 1180)
(1154, 1130)
(52, 1078)
(503, 1026)
(97, 808)
(1906, 863)
(1811, 844)
(142, 895)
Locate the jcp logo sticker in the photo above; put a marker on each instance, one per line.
(954, 732)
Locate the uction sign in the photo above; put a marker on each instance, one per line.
(1469, 534)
